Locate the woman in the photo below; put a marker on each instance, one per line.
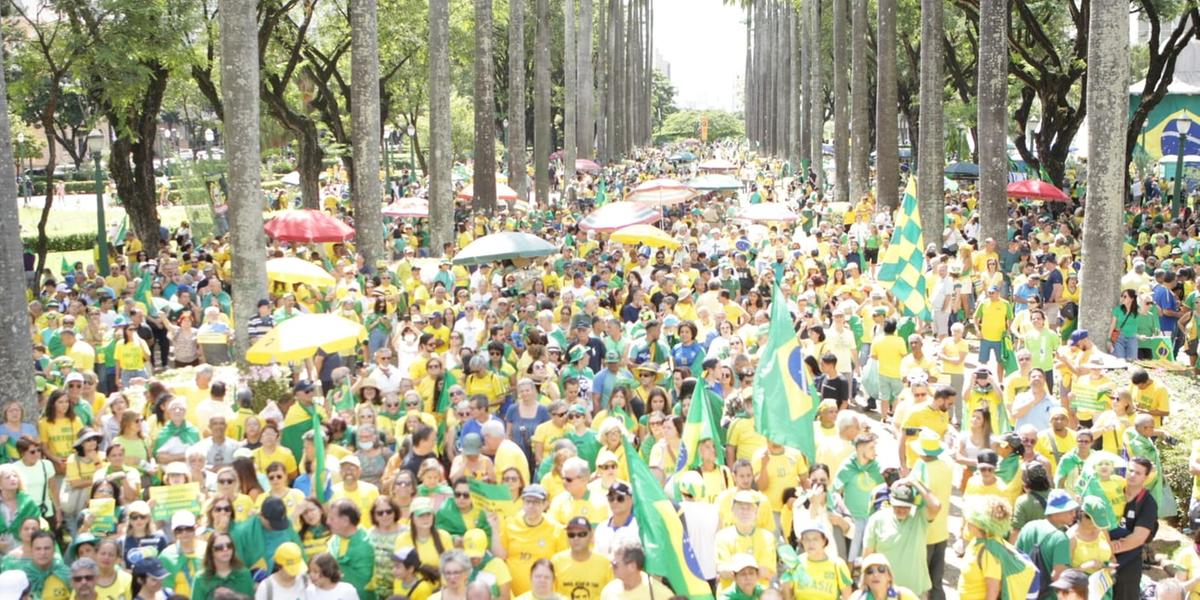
(14, 426)
(720, 346)
(876, 582)
(326, 580)
(1110, 425)
(185, 341)
(481, 380)
(968, 446)
(372, 454)
(524, 416)
(618, 407)
(271, 452)
(132, 438)
(411, 578)
(22, 544)
(379, 327)
(111, 580)
(133, 357)
(81, 467)
(252, 433)
(15, 506)
(541, 575)
(250, 482)
(314, 533)
(383, 538)
(222, 568)
(717, 477)
(429, 541)
(650, 424)
(456, 568)
(665, 454)
(219, 517)
(285, 581)
(140, 532)
(1090, 545)
(402, 491)
(37, 478)
(277, 486)
(1031, 506)
(990, 558)
(110, 417)
(58, 429)
(1125, 324)
(229, 487)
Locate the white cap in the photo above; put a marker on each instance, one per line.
(13, 584)
(73, 377)
(182, 518)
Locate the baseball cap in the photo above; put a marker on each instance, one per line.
(1059, 501)
(74, 377)
(274, 511)
(579, 523)
(289, 558)
(611, 356)
(150, 566)
(534, 490)
(175, 468)
(421, 506)
(620, 488)
(1071, 580)
(303, 385)
(741, 561)
(351, 460)
(903, 494)
(183, 519)
(746, 496)
(475, 543)
(138, 507)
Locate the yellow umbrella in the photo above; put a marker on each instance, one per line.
(645, 234)
(301, 336)
(290, 269)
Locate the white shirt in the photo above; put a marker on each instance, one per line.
(270, 588)
(470, 330)
(389, 381)
(341, 591)
(610, 536)
(207, 408)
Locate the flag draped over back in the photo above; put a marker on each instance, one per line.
(661, 531)
(701, 425)
(903, 264)
(143, 295)
(784, 402)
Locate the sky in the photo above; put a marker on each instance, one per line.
(704, 43)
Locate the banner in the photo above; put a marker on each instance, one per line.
(492, 497)
(169, 499)
(104, 515)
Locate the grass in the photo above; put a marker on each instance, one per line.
(67, 221)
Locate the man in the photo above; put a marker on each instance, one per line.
(932, 415)
(83, 579)
(605, 381)
(49, 577)
(262, 322)
(1056, 441)
(351, 546)
(581, 327)
(900, 535)
(856, 480)
(1149, 396)
(745, 536)
(630, 580)
(256, 539)
(745, 579)
(529, 536)
(214, 405)
(621, 527)
(575, 500)
(1052, 285)
(470, 326)
(833, 384)
(218, 449)
(1046, 539)
(1071, 584)
(777, 468)
(385, 373)
(504, 452)
(1033, 407)
(299, 418)
(889, 349)
(360, 493)
(1042, 344)
(580, 573)
(1136, 527)
(80, 352)
(992, 318)
(937, 477)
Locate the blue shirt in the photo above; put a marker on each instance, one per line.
(1027, 292)
(1163, 298)
(1039, 414)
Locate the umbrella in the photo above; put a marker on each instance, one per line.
(301, 336)
(662, 192)
(503, 193)
(950, 184)
(293, 178)
(407, 208)
(644, 234)
(290, 269)
(962, 170)
(682, 157)
(503, 246)
(307, 225)
(1036, 189)
(583, 164)
(616, 215)
(715, 181)
(717, 164)
(768, 212)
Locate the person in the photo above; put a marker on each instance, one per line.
(1136, 526)
(544, 582)
(140, 532)
(938, 477)
(1071, 584)
(1046, 539)
(84, 574)
(222, 569)
(325, 580)
(856, 481)
(744, 535)
(289, 578)
(828, 576)
(745, 579)
(455, 568)
(149, 577)
(410, 578)
(994, 569)
(183, 559)
(350, 548)
(582, 573)
(878, 580)
(528, 536)
(630, 581)
(900, 535)
(111, 580)
(256, 538)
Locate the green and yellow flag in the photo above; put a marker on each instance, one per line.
(903, 265)
(785, 402)
(492, 497)
(318, 475)
(143, 295)
(701, 425)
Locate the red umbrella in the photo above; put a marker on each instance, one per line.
(307, 226)
(589, 166)
(1037, 190)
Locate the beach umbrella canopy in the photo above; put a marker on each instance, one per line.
(715, 181)
(717, 164)
(767, 212)
(616, 215)
(503, 246)
(682, 157)
(1036, 189)
(589, 166)
(301, 336)
(503, 192)
(647, 235)
(406, 208)
(306, 225)
(290, 269)
(662, 192)
(962, 170)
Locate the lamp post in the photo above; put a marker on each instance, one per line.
(387, 163)
(208, 142)
(1183, 126)
(412, 161)
(20, 162)
(95, 144)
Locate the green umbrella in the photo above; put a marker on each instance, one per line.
(503, 246)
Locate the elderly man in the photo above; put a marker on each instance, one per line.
(84, 573)
(630, 579)
(574, 500)
(504, 452)
(176, 434)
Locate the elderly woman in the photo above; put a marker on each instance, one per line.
(372, 454)
(456, 568)
(176, 434)
(878, 581)
(991, 562)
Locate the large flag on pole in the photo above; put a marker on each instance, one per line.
(701, 425)
(903, 265)
(661, 531)
(144, 296)
(784, 399)
(319, 475)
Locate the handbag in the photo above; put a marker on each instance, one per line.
(74, 500)
(1116, 332)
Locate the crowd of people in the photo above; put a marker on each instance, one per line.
(538, 375)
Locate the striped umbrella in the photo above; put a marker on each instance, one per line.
(407, 208)
(662, 192)
(768, 212)
(615, 215)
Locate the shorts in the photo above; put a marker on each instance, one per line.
(889, 388)
(987, 349)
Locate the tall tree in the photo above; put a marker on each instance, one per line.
(795, 87)
(239, 91)
(1103, 222)
(515, 134)
(441, 152)
(816, 102)
(484, 183)
(887, 149)
(16, 369)
(803, 54)
(860, 120)
(541, 104)
(603, 84)
(365, 129)
(570, 88)
(585, 131)
(992, 106)
(841, 110)
(931, 154)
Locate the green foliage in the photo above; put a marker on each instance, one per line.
(686, 124)
(662, 99)
(1183, 424)
(64, 243)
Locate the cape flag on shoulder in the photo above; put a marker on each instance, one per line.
(903, 264)
(64, 267)
(661, 532)
(122, 232)
(318, 475)
(143, 295)
(781, 389)
(700, 425)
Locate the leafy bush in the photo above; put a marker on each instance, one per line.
(63, 243)
(73, 187)
(1183, 424)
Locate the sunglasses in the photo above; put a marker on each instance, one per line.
(876, 571)
(383, 511)
(462, 495)
(226, 481)
(137, 517)
(274, 477)
(222, 547)
(617, 498)
(185, 529)
(511, 480)
(559, 414)
(82, 578)
(227, 509)
(577, 535)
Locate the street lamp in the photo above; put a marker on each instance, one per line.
(1183, 126)
(95, 144)
(208, 142)
(412, 161)
(505, 124)
(21, 154)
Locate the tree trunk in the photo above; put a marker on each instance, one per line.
(366, 131)
(239, 92)
(585, 130)
(841, 101)
(541, 105)
(1103, 222)
(783, 80)
(887, 143)
(484, 183)
(816, 102)
(804, 87)
(795, 88)
(570, 88)
(992, 82)
(515, 133)
(131, 160)
(441, 152)
(931, 153)
(860, 125)
(16, 368)
(748, 81)
(603, 91)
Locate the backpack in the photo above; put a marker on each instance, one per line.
(1034, 563)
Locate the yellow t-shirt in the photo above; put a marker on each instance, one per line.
(925, 416)
(993, 319)
(938, 476)
(592, 507)
(783, 470)
(263, 459)
(889, 350)
(59, 435)
(1154, 397)
(829, 578)
(291, 501)
(119, 589)
(56, 589)
(363, 497)
(426, 549)
(745, 439)
(982, 565)
(581, 580)
(725, 510)
(526, 544)
(131, 356)
(509, 455)
(760, 544)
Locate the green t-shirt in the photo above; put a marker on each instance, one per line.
(903, 543)
(1128, 324)
(856, 482)
(1053, 544)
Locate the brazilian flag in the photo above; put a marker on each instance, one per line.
(782, 389)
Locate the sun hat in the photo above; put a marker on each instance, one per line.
(928, 443)
(1059, 501)
(991, 514)
(902, 495)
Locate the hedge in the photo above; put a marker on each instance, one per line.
(73, 187)
(63, 243)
